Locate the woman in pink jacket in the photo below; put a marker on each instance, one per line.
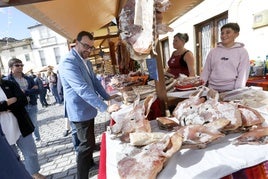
(227, 66)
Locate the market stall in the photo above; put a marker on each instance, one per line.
(165, 158)
(105, 17)
(216, 161)
(219, 159)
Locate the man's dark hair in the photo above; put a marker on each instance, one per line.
(13, 61)
(234, 26)
(84, 33)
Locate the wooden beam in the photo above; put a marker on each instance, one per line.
(160, 84)
(112, 55)
(106, 36)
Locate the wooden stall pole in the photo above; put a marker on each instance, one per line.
(160, 85)
(112, 55)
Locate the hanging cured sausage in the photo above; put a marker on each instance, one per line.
(140, 22)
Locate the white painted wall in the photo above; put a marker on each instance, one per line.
(35, 62)
(19, 53)
(61, 42)
(240, 11)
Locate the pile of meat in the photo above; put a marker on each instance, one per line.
(184, 82)
(151, 150)
(135, 85)
(204, 119)
(124, 81)
(197, 122)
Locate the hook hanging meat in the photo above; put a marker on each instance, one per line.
(140, 22)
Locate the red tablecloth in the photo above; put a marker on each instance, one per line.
(256, 172)
(102, 163)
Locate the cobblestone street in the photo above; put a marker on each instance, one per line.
(56, 153)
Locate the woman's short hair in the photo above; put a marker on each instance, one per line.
(234, 26)
(182, 36)
(13, 61)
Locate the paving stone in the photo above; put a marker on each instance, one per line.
(72, 171)
(56, 153)
(62, 160)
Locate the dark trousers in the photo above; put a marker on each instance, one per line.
(86, 136)
(42, 97)
(75, 140)
(55, 93)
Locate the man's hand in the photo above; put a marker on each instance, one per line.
(11, 100)
(35, 87)
(114, 96)
(113, 108)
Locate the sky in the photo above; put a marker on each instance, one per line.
(14, 23)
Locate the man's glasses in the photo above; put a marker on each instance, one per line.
(18, 65)
(86, 46)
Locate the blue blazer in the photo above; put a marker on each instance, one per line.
(83, 93)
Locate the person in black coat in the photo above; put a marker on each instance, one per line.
(17, 108)
(14, 100)
(29, 88)
(42, 90)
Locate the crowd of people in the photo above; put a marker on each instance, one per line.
(83, 95)
(19, 94)
(18, 116)
(75, 84)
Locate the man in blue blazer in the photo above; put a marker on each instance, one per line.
(83, 97)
